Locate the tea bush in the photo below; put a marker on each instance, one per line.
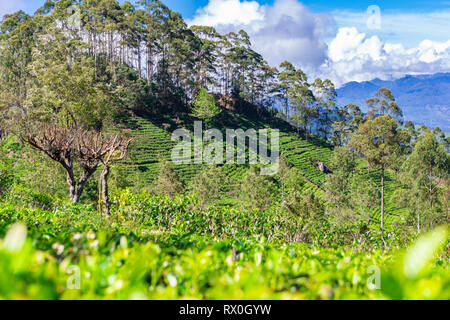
(161, 248)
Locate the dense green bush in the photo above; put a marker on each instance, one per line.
(24, 196)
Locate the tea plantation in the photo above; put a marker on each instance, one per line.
(157, 248)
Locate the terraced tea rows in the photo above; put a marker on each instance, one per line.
(153, 144)
(393, 214)
(303, 155)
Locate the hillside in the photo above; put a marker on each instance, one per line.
(423, 98)
(152, 144)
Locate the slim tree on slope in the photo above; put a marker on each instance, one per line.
(380, 142)
(205, 107)
(384, 104)
(426, 171)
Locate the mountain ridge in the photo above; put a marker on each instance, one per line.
(425, 99)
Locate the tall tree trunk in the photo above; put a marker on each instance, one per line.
(72, 183)
(430, 187)
(418, 222)
(87, 173)
(382, 206)
(103, 185)
(139, 59)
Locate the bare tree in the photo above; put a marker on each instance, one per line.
(89, 148)
(58, 144)
(94, 148)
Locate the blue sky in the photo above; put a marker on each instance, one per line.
(188, 7)
(343, 12)
(325, 37)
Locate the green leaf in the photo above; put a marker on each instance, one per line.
(423, 251)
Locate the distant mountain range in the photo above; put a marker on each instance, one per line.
(425, 99)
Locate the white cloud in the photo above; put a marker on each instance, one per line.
(286, 30)
(409, 28)
(355, 57)
(229, 12)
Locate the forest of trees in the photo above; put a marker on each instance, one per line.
(153, 60)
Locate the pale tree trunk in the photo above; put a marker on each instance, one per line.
(103, 186)
(71, 182)
(382, 206)
(430, 187)
(418, 222)
(76, 189)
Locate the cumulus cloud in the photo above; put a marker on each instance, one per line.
(286, 30)
(229, 12)
(352, 56)
(409, 28)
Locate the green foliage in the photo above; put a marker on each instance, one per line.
(384, 103)
(310, 207)
(425, 176)
(416, 275)
(382, 144)
(207, 185)
(204, 106)
(256, 191)
(6, 177)
(364, 195)
(159, 248)
(26, 167)
(346, 121)
(380, 141)
(25, 196)
(66, 90)
(302, 234)
(297, 198)
(167, 181)
(294, 91)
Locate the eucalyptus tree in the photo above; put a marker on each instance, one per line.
(241, 57)
(326, 95)
(429, 164)
(381, 142)
(206, 59)
(266, 84)
(284, 81)
(383, 104)
(18, 34)
(346, 121)
(295, 91)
